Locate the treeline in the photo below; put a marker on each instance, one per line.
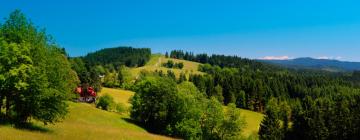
(330, 117)
(128, 56)
(222, 60)
(35, 75)
(252, 89)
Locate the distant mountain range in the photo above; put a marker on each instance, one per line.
(311, 63)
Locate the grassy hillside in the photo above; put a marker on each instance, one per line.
(156, 61)
(85, 122)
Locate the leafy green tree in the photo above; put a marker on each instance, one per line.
(79, 66)
(212, 119)
(105, 102)
(189, 111)
(218, 93)
(232, 124)
(154, 102)
(124, 76)
(36, 76)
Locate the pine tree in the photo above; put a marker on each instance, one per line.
(270, 128)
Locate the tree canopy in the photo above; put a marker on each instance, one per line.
(35, 75)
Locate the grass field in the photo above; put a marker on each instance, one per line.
(156, 61)
(253, 120)
(85, 122)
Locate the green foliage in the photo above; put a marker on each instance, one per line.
(212, 119)
(182, 77)
(270, 128)
(171, 75)
(36, 77)
(232, 124)
(218, 93)
(183, 111)
(171, 64)
(105, 102)
(128, 56)
(154, 102)
(241, 99)
(179, 65)
(124, 76)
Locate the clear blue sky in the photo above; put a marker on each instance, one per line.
(248, 28)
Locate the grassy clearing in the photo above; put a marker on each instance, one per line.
(120, 96)
(253, 120)
(156, 61)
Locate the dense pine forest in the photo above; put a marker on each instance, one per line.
(37, 79)
(128, 56)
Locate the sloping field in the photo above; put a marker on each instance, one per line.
(156, 61)
(85, 122)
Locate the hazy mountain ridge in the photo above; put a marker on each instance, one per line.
(312, 63)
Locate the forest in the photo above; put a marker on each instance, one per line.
(128, 56)
(37, 79)
(317, 104)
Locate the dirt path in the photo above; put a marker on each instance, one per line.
(158, 63)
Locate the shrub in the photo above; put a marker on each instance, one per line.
(105, 102)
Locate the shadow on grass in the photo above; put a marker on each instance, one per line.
(25, 126)
(141, 125)
(33, 127)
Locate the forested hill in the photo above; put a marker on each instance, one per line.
(223, 61)
(311, 63)
(118, 56)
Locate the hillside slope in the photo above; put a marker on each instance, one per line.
(156, 61)
(84, 122)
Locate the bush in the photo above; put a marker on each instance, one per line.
(172, 64)
(179, 65)
(105, 102)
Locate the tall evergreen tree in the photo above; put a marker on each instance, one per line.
(270, 128)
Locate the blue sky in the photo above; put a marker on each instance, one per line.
(247, 28)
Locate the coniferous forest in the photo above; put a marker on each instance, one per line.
(298, 104)
(38, 78)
